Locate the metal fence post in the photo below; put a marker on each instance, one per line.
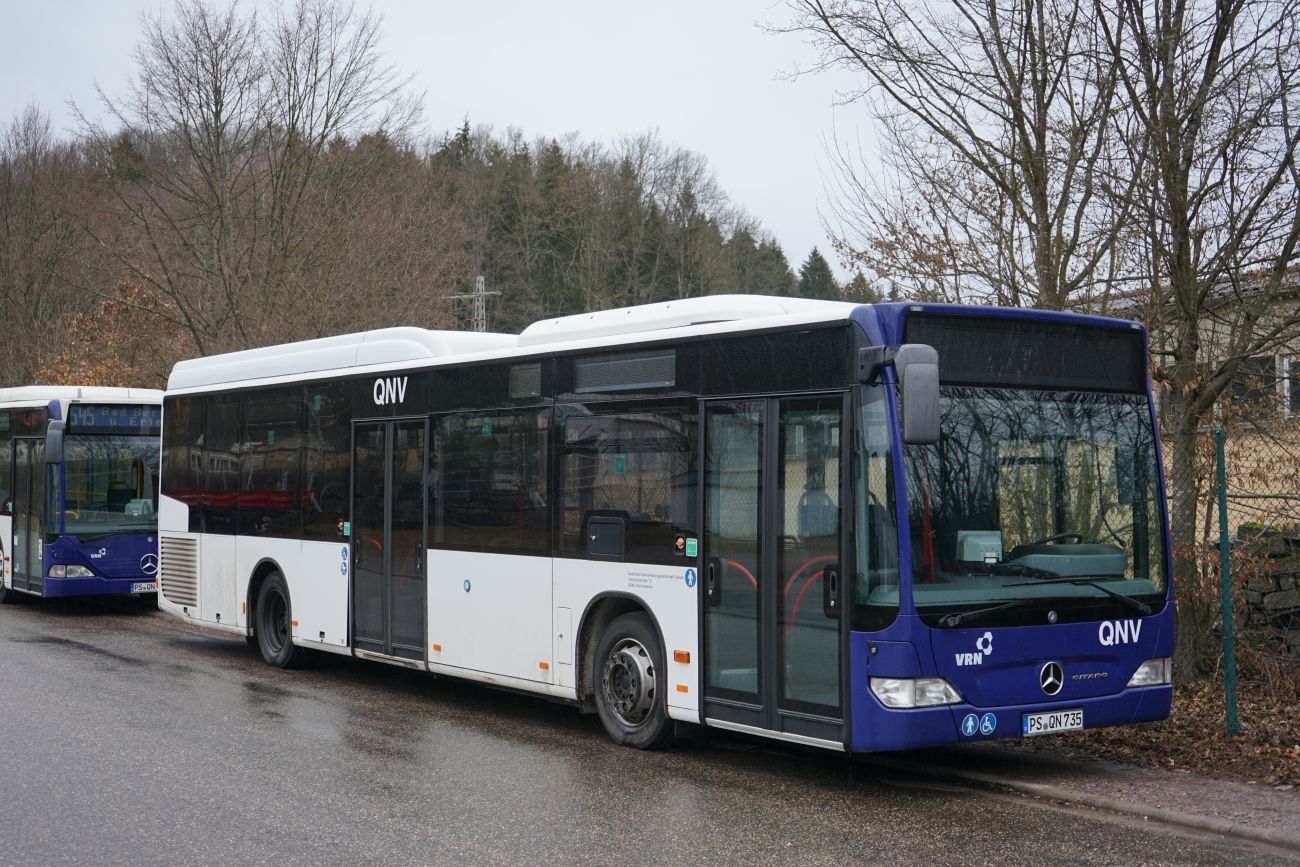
(1225, 590)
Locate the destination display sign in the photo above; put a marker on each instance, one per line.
(108, 418)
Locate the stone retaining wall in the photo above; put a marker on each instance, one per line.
(1273, 597)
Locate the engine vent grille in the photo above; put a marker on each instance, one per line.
(179, 566)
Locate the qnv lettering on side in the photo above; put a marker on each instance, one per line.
(390, 390)
(1112, 632)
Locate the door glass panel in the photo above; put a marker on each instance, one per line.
(808, 538)
(407, 539)
(733, 464)
(21, 510)
(368, 535)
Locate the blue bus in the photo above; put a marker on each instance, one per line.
(79, 490)
(853, 527)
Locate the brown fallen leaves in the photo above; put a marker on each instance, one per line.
(1266, 749)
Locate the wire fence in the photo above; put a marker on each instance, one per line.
(1261, 489)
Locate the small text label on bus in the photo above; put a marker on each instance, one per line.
(390, 390)
(1112, 632)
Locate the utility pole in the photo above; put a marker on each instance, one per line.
(479, 296)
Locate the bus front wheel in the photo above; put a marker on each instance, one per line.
(630, 684)
(273, 624)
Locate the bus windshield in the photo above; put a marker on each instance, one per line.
(110, 485)
(1035, 496)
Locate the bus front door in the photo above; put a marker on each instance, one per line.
(775, 475)
(29, 512)
(388, 545)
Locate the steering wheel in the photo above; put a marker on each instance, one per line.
(1076, 538)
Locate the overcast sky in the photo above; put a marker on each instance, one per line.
(698, 71)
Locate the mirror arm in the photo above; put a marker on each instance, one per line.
(872, 360)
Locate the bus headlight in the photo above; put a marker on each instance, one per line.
(1153, 672)
(70, 572)
(914, 691)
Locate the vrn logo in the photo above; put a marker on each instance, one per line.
(1112, 632)
(983, 646)
(391, 390)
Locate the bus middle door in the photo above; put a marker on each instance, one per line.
(388, 544)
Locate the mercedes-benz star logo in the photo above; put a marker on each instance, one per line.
(149, 564)
(1051, 678)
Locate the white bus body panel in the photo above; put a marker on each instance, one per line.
(662, 590)
(317, 575)
(491, 613)
(301, 571)
(219, 578)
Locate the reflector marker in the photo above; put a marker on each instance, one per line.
(681, 656)
(681, 687)
(437, 648)
(544, 666)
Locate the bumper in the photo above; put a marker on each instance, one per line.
(97, 586)
(889, 729)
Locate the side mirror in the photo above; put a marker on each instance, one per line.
(917, 366)
(54, 443)
(918, 384)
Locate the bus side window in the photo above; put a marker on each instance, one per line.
(270, 462)
(326, 460)
(221, 466)
(633, 463)
(6, 464)
(491, 482)
(182, 459)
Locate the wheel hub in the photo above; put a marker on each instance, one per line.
(628, 682)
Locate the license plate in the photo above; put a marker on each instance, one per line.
(1052, 721)
(145, 587)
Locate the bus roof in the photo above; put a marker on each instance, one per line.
(674, 314)
(27, 395)
(402, 346)
(383, 346)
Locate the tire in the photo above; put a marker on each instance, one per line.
(631, 684)
(272, 624)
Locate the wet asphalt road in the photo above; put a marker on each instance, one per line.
(129, 738)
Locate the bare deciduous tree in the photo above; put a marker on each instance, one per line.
(231, 128)
(44, 258)
(998, 124)
(1074, 154)
(1211, 88)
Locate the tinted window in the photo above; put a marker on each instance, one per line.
(489, 482)
(6, 461)
(326, 461)
(182, 459)
(782, 361)
(635, 464)
(1025, 353)
(270, 463)
(221, 465)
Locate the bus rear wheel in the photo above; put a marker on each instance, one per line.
(631, 684)
(272, 625)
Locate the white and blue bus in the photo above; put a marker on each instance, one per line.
(79, 505)
(854, 527)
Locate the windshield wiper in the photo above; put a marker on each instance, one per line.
(951, 620)
(1090, 581)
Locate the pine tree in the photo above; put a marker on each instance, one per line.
(816, 279)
